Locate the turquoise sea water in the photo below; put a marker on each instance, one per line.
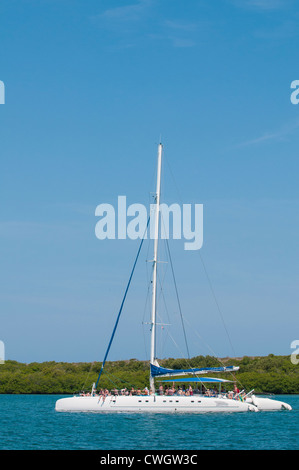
(29, 422)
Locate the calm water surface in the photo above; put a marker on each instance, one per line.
(30, 422)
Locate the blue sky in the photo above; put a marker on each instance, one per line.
(89, 88)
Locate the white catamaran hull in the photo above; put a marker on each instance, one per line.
(267, 404)
(157, 404)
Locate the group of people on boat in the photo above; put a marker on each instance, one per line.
(167, 391)
(104, 392)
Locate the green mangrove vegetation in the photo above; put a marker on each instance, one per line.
(266, 374)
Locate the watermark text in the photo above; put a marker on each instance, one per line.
(2, 92)
(131, 222)
(2, 352)
(295, 354)
(294, 95)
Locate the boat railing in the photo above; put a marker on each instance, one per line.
(178, 393)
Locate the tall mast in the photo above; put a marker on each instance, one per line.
(154, 292)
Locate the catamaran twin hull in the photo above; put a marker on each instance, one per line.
(157, 404)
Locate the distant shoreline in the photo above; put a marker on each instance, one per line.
(265, 374)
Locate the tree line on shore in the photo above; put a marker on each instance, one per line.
(264, 374)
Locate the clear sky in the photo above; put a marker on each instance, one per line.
(89, 88)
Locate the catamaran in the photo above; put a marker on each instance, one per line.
(154, 400)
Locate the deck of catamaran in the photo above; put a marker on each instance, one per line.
(168, 392)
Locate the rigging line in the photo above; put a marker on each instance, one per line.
(167, 329)
(122, 304)
(177, 295)
(148, 282)
(176, 290)
(209, 281)
(206, 344)
(187, 360)
(217, 304)
(169, 334)
(215, 355)
(143, 320)
(117, 378)
(172, 175)
(161, 293)
(177, 346)
(108, 378)
(88, 374)
(162, 344)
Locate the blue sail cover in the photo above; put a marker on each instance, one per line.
(157, 371)
(197, 379)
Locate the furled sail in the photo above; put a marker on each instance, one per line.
(157, 371)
